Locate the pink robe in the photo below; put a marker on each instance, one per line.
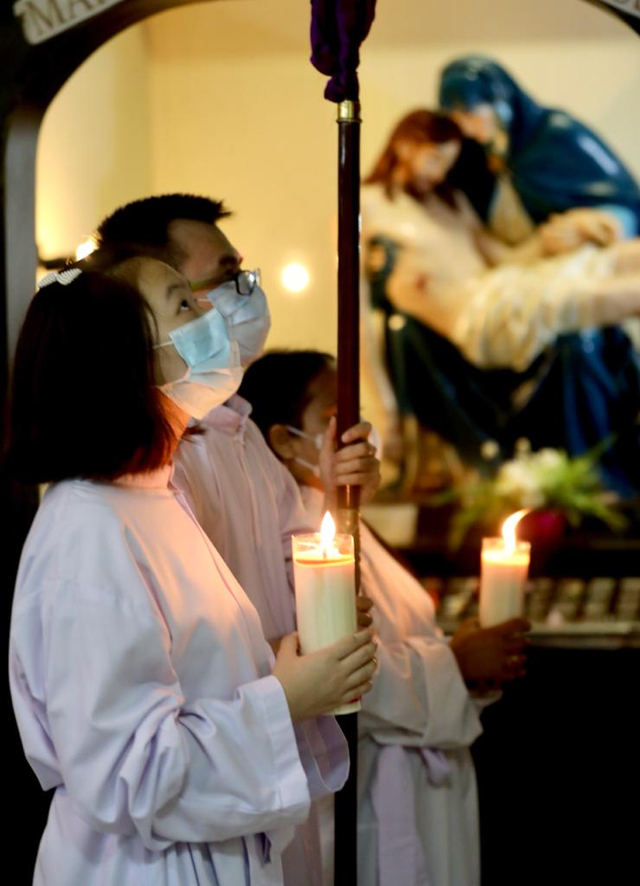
(142, 687)
(249, 505)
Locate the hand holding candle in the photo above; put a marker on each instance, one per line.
(324, 571)
(320, 682)
(490, 657)
(505, 564)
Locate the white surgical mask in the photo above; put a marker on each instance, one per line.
(374, 438)
(316, 439)
(315, 469)
(213, 371)
(247, 315)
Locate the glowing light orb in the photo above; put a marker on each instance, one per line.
(295, 277)
(396, 322)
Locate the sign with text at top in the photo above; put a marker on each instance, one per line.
(43, 19)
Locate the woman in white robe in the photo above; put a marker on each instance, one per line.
(143, 687)
(417, 815)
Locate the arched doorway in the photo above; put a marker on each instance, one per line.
(44, 66)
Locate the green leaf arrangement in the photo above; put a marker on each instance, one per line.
(547, 479)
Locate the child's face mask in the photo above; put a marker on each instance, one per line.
(316, 439)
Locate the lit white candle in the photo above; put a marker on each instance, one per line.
(505, 564)
(324, 572)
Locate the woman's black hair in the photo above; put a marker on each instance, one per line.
(83, 399)
(278, 386)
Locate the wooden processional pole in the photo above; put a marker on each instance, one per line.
(346, 806)
(338, 28)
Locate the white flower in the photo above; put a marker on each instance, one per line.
(535, 480)
(549, 459)
(516, 480)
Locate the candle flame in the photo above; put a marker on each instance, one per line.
(509, 529)
(327, 533)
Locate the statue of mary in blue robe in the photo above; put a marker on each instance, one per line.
(552, 160)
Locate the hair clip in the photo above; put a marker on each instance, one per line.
(62, 277)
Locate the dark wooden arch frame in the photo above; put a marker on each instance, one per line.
(37, 74)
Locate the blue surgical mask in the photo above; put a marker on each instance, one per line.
(213, 371)
(247, 315)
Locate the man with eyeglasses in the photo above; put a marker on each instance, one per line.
(243, 497)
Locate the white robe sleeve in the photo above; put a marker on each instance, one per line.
(133, 756)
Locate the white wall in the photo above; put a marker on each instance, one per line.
(256, 131)
(95, 144)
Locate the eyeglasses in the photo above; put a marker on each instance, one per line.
(246, 282)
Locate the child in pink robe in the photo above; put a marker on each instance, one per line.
(417, 815)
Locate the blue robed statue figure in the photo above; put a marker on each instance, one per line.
(503, 275)
(545, 160)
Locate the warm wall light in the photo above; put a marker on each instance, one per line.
(85, 248)
(396, 322)
(295, 277)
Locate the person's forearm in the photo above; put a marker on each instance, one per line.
(615, 300)
(495, 252)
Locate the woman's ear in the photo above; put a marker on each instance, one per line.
(280, 441)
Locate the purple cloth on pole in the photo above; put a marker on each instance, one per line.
(338, 27)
